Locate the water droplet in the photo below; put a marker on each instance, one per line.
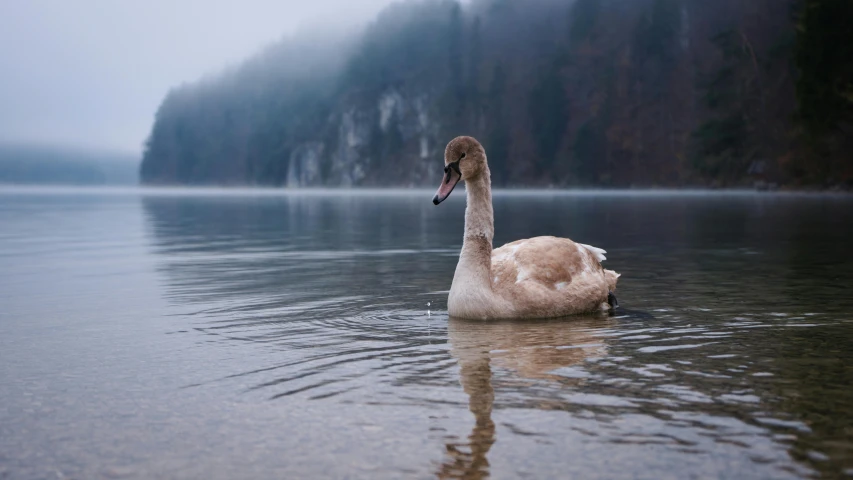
(428, 303)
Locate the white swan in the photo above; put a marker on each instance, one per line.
(534, 278)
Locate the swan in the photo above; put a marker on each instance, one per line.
(538, 277)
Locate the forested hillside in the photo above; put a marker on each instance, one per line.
(589, 92)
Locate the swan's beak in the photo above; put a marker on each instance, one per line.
(451, 178)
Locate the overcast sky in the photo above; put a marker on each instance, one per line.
(92, 72)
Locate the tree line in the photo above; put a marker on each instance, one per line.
(611, 93)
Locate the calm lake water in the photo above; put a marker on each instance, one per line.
(166, 334)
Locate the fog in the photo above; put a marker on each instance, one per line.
(92, 73)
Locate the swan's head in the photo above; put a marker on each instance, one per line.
(464, 159)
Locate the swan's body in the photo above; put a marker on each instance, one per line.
(534, 278)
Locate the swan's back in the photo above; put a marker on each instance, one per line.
(550, 276)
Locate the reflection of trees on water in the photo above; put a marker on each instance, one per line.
(818, 278)
(519, 351)
(793, 254)
(235, 246)
(319, 280)
(253, 263)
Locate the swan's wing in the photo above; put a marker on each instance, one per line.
(599, 253)
(553, 262)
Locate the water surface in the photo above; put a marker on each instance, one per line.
(168, 334)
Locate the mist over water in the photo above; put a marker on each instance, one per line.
(172, 334)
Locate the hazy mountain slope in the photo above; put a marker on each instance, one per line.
(591, 92)
(39, 164)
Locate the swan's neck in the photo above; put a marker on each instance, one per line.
(475, 260)
(479, 216)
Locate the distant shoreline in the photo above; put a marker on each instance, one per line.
(145, 190)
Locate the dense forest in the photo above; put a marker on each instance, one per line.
(58, 165)
(615, 93)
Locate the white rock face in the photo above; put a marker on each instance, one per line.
(424, 147)
(304, 167)
(351, 160)
(390, 105)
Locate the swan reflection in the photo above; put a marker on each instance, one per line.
(508, 355)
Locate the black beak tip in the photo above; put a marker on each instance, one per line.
(435, 200)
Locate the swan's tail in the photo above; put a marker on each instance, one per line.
(611, 277)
